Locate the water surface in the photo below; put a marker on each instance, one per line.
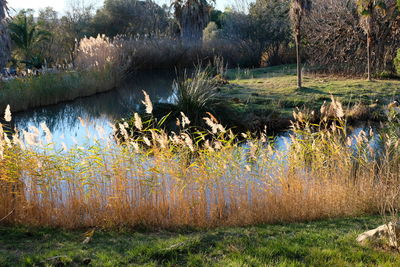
(100, 110)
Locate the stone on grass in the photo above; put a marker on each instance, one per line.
(388, 234)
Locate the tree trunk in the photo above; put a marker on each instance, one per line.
(4, 37)
(299, 85)
(369, 43)
(192, 34)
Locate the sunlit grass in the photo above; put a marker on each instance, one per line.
(275, 88)
(323, 243)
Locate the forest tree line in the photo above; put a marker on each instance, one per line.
(334, 36)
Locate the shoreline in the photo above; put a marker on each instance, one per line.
(24, 94)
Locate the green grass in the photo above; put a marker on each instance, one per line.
(52, 88)
(324, 243)
(275, 88)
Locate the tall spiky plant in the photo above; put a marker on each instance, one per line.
(367, 9)
(192, 17)
(298, 9)
(4, 37)
(195, 94)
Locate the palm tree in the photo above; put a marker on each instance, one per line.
(4, 37)
(367, 10)
(192, 17)
(26, 35)
(298, 9)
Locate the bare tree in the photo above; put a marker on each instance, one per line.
(76, 23)
(367, 9)
(334, 36)
(4, 37)
(241, 6)
(336, 40)
(298, 9)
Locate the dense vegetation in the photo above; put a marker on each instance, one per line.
(207, 159)
(333, 34)
(123, 37)
(199, 178)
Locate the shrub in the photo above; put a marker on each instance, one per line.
(397, 62)
(211, 32)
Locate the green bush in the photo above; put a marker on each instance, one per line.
(397, 62)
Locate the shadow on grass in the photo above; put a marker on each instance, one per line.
(309, 90)
(322, 243)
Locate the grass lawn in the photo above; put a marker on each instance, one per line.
(274, 88)
(324, 243)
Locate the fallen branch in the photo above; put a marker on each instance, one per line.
(11, 212)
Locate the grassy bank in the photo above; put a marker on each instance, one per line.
(53, 88)
(267, 94)
(324, 243)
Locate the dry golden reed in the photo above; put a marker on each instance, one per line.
(163, 181)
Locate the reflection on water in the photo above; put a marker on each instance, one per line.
(97, 111)
(100, 111)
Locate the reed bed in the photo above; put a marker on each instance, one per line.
(52, 88)
(196, 179)
(160, 52)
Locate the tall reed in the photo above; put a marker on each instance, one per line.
(100, 54)
(149, 52)
(201, 179)
(52, 88)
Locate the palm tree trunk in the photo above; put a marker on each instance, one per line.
(4, 37)
(299, 85)
(369, 43)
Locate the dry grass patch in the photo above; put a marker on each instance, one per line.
(201, 179)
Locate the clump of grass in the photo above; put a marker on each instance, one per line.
(243, 74)
(195, 94)
(199, 179)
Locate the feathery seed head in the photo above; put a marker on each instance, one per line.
(7, 114)
(147, 103)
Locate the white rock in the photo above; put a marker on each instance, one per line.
(388, 233)
(373, 235)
